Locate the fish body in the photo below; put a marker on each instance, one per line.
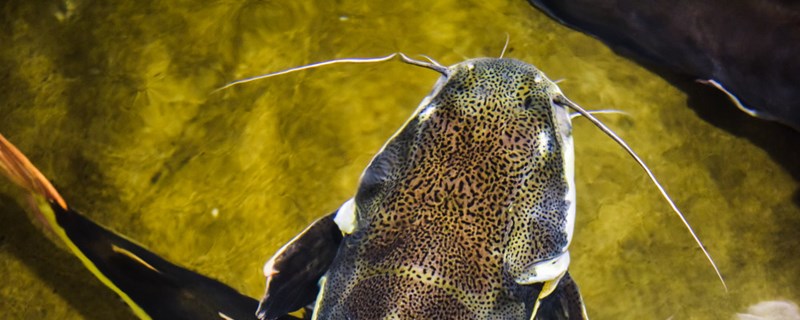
(746, 49)
(467, 212)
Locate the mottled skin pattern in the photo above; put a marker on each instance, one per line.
(460, 202)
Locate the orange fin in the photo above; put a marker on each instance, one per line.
(19, 169)
(153, 287)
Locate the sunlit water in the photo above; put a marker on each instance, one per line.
(114, 102)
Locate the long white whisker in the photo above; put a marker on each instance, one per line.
(601, 111)
(505, 46)
(308, 66)
(433, 61)
(564, 101)
(433, 65)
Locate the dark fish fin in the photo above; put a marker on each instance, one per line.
(564, 303)
(543, 6)
(153, 287)
(293, 273)
(382, 169)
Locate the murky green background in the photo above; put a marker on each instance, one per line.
(112, 100)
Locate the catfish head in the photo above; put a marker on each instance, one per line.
(467, 211)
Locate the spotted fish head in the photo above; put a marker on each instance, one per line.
(496, 89)
(468, 205)
(507, 114)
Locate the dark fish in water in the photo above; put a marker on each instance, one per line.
(466, 212)
(153, 287)
(747, 49)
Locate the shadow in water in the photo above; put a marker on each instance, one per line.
(660, 44)
(59, 270)
(781, 142)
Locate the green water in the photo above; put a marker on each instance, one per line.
(113, 102)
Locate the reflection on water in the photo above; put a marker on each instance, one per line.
(114, 102)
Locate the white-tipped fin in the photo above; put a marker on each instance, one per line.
(738, 103)
(547, 270)
(224, 316)
(346, 217)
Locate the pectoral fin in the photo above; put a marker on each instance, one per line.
(544, 271)
(564, 303)
(153, 287)
(294, 272)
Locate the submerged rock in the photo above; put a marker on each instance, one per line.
(749, 49)
(771, 310)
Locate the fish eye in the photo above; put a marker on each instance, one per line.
(528, 103)
(534, 102)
